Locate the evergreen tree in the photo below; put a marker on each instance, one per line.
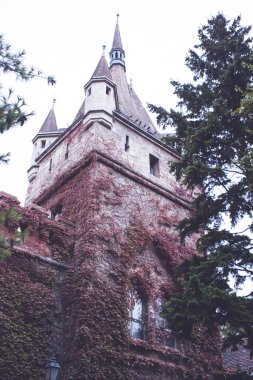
(12, 110)
(214, 137)
(12, 113)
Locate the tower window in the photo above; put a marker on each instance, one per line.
(108, 90)
(56, 211)
(89, 91)
(163, 331)
(43, 143)
(50, 165)
(67, 151)
(154, 165)
(136, 318)
(127, 146)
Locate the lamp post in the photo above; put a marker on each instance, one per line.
(52, 369)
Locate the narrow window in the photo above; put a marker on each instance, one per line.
(43, 143)
(154, 165)
(56, 211)
(136, 320)
(67, 152)
(127, 146)
(116, 54)
(108, 90)
(50, 165)
(89, 91)
(164, 333)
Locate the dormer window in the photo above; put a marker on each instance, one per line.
(43, 143)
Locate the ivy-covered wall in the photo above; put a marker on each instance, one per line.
(65, 290)
(125, 235)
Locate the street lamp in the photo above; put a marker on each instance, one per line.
(52, 368)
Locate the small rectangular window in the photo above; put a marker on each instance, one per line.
(43, 143)
(89, 91)
(108, 90)
(154, 165)
(127, 146)
(67, 152)
(50, 165)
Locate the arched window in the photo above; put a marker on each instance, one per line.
(136, 315)
(163, 330)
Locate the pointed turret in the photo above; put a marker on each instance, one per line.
(100, 91)
(48, 133)
(102, 69)
(117, 54)
(49, 124)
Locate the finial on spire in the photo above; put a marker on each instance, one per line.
(117, 15)
(54, 101)
(104, 47)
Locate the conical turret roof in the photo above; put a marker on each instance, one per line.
(102, 69)
(49, 124)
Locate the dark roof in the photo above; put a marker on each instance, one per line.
(49, 124)
(237, 360)
(80, 111)
(102, 69)
(117, 44)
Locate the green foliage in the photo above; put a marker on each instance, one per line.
(214, 137)
(12, 110)
(10, 219)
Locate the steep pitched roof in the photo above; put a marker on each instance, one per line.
(49, 124)
(102, 69)
(117, 44)
(129, 104)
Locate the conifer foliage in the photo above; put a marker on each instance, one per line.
(214, 137)
(12, 108)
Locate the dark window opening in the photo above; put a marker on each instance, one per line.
(89, 91)
(50, 165)
(116, 55)
(164, 333)
(50, 238)
(127, 146)
(136, 315)
(154, 165)
(67, 151)
(108, 90)
(43, 143)
(21, 231)
(56, 211)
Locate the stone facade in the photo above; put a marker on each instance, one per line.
(101, 212)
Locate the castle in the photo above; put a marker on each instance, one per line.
(89, 280)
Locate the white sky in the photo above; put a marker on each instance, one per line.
(65, 38)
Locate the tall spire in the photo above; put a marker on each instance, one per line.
(49, 124)
(117, 54)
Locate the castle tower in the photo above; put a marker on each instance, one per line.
(48, 133)
(107, 177)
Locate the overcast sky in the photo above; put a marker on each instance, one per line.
(65, 38)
